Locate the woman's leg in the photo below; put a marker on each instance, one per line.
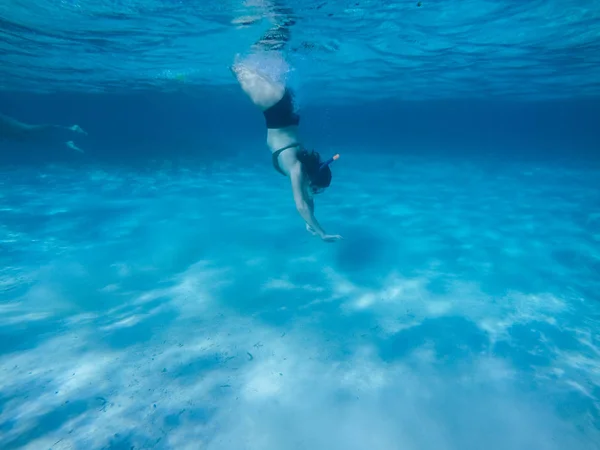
(263, 92)
(262, 74)
(277, 37)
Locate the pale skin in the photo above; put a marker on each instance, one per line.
(265, 93)
(14, 130)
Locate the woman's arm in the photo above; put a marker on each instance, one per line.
(304, 205)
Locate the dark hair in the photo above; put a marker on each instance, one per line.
(311, 162)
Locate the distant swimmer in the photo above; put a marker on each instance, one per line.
(261, 77)
(13, 130)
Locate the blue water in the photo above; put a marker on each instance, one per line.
(159, 291)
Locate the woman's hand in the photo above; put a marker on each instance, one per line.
(325, 237)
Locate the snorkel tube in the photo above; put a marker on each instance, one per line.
(329, 161)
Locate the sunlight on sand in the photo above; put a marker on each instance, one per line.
(167, 336)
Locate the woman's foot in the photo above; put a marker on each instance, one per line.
(245, 20)
(72, 145)
(77, 129)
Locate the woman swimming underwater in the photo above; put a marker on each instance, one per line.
(308, 174)
(13, 130)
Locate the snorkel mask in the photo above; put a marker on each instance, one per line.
(321, 178)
